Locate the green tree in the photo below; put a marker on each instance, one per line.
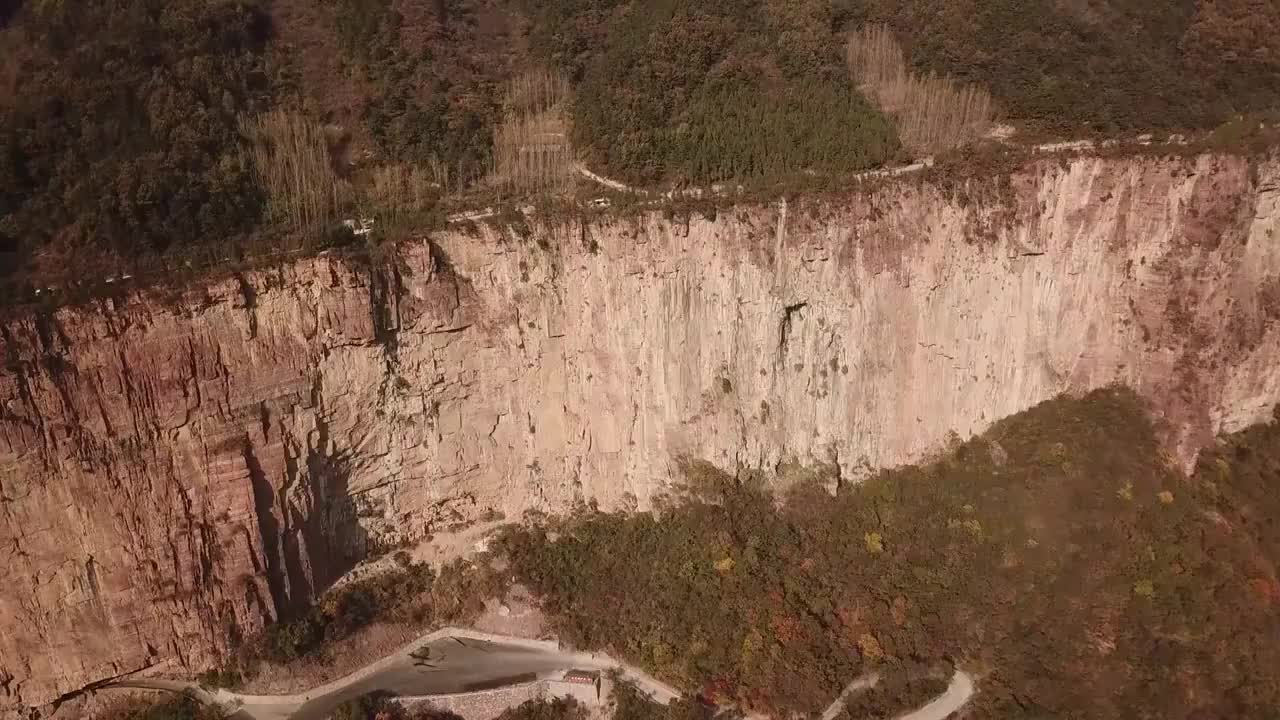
(681, 90)
(124, 129)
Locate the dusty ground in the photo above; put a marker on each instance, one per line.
(515, 615)
(440, 549)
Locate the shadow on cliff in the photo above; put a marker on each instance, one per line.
(310, 532)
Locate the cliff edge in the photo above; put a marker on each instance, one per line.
(177, 471)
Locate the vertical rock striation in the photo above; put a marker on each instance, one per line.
(176, 472)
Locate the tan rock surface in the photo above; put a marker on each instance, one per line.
(174, 471)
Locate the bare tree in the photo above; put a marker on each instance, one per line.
(291, 161)
(933, 113)
(531, 145)
(397, 194)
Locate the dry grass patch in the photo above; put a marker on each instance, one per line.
(933, 113)
(293, 167)
(531, 145)
(398, 195)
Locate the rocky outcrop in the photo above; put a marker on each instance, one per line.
(174, 472)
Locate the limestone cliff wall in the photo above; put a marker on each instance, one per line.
(174, 471)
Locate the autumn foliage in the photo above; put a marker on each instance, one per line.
(138, 136)
(1074, 66)
(1059, 556)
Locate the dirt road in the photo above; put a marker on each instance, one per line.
(448, 661)
(956, 695)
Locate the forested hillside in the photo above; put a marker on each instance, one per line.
(118, 123)
(144, 133)
(1101, 65)
(694, 90)
(1059, 558)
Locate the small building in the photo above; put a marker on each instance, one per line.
(585, 686)
(585, 677)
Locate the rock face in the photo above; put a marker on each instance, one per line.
(175, 472)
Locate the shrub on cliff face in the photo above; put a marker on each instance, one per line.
(401, 594)
(1073, 569)
(409, 593)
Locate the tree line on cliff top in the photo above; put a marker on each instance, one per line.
(139, 129)
(1061, 558)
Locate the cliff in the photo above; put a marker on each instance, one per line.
(175, 471)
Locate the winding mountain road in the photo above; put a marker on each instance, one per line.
(456, 660)
(956, 695)
(444, 662)
(958, 692)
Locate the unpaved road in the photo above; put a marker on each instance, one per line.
(445, 666)
(447, 661)
(956, 695)
(457, 661)
(837, 706)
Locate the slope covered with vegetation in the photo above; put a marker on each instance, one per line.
(119, 130)
(1060, 558)
(1102, 65)
(693, 90)
(149, 134)
(190, 130)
